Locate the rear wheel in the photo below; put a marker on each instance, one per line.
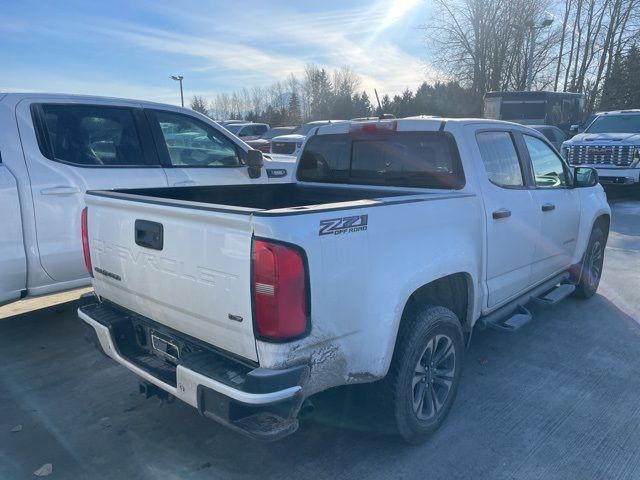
(592, 265)
(425, 372)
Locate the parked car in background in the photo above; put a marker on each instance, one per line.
(290, 144)
(248, 131)
(56, 147)
(264, 142)
(374, 266)
(553, 134)
(611, 144)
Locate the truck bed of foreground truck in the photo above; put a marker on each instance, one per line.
(396, 239)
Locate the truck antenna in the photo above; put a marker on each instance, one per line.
(379, 104)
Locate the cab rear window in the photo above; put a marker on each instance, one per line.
(400, 159)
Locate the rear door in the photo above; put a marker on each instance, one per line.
(194, 152)
(193, 277)
(558, 205)
(71, 147)
(13, 265)
(512, 216)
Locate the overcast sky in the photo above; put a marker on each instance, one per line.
(128, 48)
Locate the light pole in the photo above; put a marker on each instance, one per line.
(532, 42)
(179, 78)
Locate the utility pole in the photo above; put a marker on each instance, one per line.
(179, 78)
(533, 28)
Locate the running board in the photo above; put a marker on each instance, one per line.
(516, 315)
(555, 295)
(518, 319)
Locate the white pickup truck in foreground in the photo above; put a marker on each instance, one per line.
(55, 147)
(398, 237)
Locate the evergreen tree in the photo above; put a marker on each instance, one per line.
(361, 106)
(293, 113)
(632, 60)
(199, 104)
(620, 89)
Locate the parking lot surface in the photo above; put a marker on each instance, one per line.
(557, 399)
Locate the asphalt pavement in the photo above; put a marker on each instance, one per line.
(559, 399)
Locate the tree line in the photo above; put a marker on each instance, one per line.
(321, 95)
(585, 46)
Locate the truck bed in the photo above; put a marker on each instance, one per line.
(257, 198)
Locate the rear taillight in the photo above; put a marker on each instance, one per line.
(85, 241)
(280, 292)
(378, 126)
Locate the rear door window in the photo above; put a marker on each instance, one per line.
(90, 135)
(500, 158)
(401, 159)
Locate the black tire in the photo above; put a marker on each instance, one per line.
(433, 330)
(592, 262)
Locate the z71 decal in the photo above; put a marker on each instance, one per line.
(338, 226)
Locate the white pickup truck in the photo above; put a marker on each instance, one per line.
(398, 237)
(55, 147)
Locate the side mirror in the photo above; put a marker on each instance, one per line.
(255, 163)
(585, 177)
(574, 129)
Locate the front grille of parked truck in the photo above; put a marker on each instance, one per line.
(618, 155)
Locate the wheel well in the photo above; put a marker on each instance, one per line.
(604, 222)
(451, 292)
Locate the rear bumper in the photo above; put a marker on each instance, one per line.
(261, 403)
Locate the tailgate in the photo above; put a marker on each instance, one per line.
(194, 276)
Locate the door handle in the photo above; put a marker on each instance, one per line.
(502, 213)
(547, 207)
(184, 183)
(64, 190)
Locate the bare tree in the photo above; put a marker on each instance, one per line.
(484, 44)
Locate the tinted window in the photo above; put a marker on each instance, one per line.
(548, 133)
(627, 123)
(558, 135)
(548, 170)
(500, 158)
(246, 131)
(88, 135)
(403, 159)
(234, 128)
(531, 110)
(252, 130)
(274, 132)
(192, 143)
(260, 129)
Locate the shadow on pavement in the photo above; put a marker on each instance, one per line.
(556, 399)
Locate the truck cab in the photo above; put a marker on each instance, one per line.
(611, 145)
